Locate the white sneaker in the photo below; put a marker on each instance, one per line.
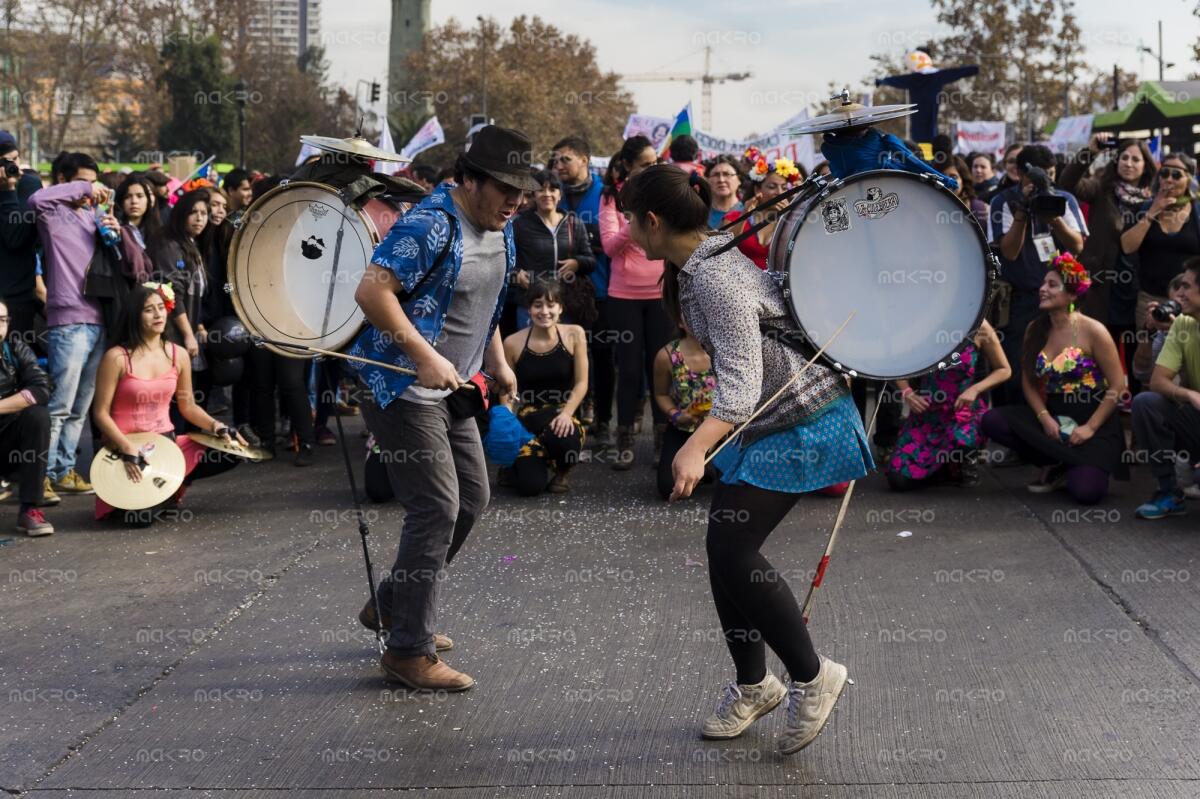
(1192, 492)
(740, 705)
(809, 706)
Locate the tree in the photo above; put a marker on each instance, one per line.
(57, 54)
(124, 137)
(283, 103)
(534, 77)
(201, 112)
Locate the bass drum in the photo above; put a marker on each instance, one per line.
(899, 251)
(297, 260)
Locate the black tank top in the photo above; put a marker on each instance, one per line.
(545, 378)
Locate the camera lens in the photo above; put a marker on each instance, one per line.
(11, 170)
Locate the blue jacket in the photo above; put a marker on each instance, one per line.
(586, 205)
(410, 250)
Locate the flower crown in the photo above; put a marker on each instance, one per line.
(760, 167)
(165, 291)
(1074, 276)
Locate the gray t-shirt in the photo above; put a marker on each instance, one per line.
(464, 335)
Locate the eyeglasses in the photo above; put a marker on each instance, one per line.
(1174, 174)
(719, 175)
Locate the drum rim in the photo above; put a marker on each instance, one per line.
(231, 274)
(988, 262)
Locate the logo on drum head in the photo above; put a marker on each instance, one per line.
(318, 210)
(877, 203)
(835, 216)
(312, 248)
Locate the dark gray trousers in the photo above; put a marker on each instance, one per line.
(436, 468)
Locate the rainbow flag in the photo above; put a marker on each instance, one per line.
(682, 127)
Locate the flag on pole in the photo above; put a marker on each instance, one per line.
(430, 135)
(385, 144)
(306, 151)
(682, 127)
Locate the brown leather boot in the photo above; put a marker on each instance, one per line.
(366, 617)
(423, 673)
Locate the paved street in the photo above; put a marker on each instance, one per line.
(1011, 646)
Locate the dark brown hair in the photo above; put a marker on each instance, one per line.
(618, 166)
(682, 201)
(548, 290)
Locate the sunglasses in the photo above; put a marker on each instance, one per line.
(1174, 174)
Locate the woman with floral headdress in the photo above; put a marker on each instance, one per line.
(770, 178)
(1071, 376)
(134, 387)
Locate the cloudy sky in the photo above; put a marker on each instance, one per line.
(793, 50)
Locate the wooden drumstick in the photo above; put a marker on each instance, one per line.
(779, 393)
(342, 355)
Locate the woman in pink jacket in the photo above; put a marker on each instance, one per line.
(634, 300)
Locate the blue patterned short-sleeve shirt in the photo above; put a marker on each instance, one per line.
(410, 250)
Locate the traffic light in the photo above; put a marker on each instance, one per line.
(374, 92)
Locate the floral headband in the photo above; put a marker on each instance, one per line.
(165, 291)
(1075, 277)
(760, 167)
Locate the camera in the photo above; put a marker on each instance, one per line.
(1165, 310)
(11, 168)
(1044, 203)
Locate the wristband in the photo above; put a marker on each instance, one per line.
(1039, 413)
(673, 416)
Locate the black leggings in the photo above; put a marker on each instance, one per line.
(603, 382)
(532, 472)
(269, 371)
(642, 328)
(754, 603)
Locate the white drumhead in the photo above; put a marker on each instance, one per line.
(285, 285)
(906, 256)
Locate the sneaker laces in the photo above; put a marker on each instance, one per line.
(796, 695)
(730, 695)
(35, 515)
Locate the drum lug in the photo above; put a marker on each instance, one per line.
(780, 279)
(228, 288)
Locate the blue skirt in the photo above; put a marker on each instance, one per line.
(829, 449)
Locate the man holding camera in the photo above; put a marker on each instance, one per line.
(1029, 223)
(1166, 419)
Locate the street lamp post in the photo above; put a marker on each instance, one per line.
(239, 90)
(483, 53)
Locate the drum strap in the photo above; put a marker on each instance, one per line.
(789, 337)
(405, 296)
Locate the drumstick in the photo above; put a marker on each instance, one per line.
(837, 525)
(342, 355)
(779, 393)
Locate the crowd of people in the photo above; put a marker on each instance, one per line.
(1094, 320)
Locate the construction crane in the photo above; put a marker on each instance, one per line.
(706, 79)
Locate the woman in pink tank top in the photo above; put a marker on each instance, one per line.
(136, 382)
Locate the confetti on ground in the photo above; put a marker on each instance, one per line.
(904, 534)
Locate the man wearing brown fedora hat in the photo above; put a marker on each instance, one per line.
(433, 296)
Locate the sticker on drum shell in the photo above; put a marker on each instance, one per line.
(877, 204)
(835, 216)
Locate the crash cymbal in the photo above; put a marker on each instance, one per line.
(356, 146)
(230, 446)
(853, 115)
(161, 476)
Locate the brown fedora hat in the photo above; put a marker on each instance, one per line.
(503, 154)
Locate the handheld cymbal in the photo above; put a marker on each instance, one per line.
(161, 476)
(356, 146)
(229, 446)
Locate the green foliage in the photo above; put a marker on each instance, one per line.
(201, 113)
